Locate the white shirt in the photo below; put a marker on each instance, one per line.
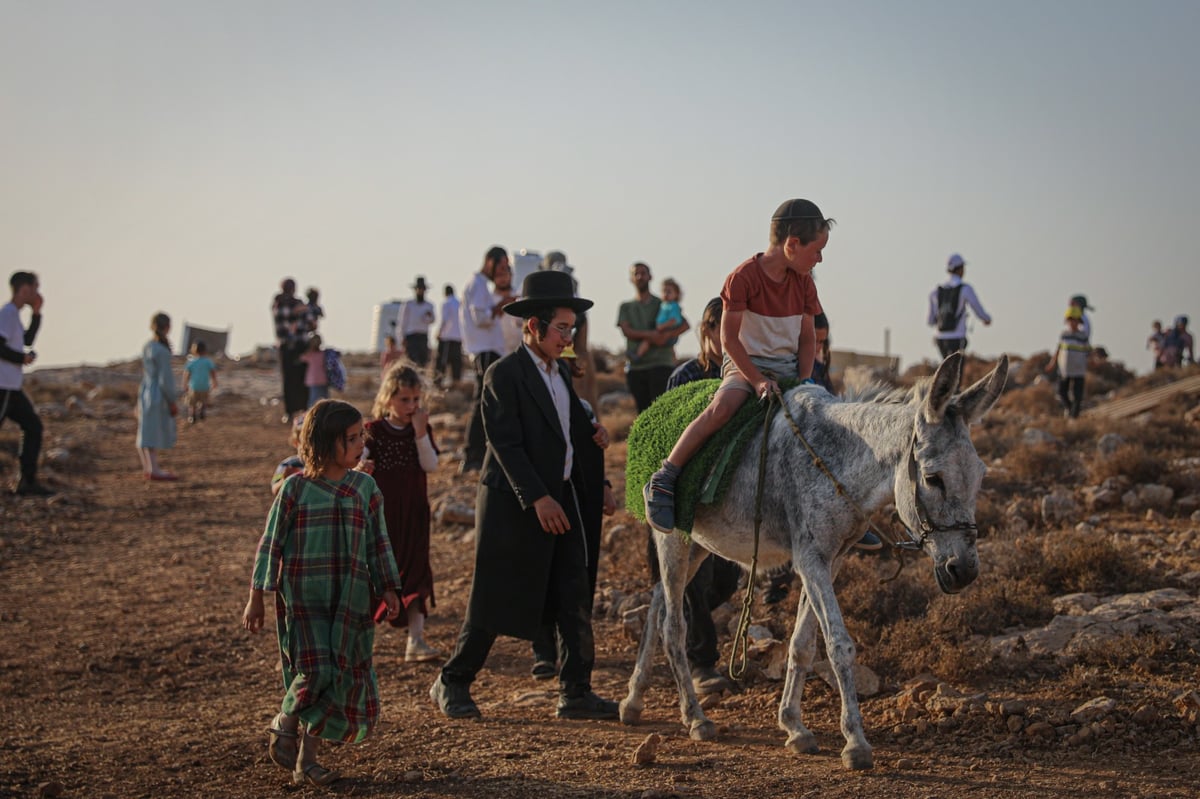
(561, 397)
(451, 329)
(13, 332)
(511, 326)
(966, 297)
(415, 317)
(479, 328)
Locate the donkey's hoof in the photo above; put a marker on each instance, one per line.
(803, 744)
(629, 714)
(858, 759)
(703, 730)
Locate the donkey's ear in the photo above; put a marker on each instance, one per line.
(944, 387)
(976, 400)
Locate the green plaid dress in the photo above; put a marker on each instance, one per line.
(325, 553)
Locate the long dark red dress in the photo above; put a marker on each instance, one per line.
(401, 479)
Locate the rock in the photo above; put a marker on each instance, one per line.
(1041, 729)
(1188, 704)
(1015, 723)
(1033, 437)
(1093, 710)
(1014, 707)
(1075, 604)
(1155, 517)
(611, 535)
(451, 512)
(1059, 507)
(1156, 497)
(1195, 516)
(772, 656)
(49, 790)
(866, 681)
(759, 634)
(647, 750)
(1101, 498)
(1109, 443)
(906, 764)
(1188, 505)
(1146, 716)
(414, 776)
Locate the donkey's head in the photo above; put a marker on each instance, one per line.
(936, 491)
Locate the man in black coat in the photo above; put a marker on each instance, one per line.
(543, 469)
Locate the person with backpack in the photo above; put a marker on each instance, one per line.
(948, 309)
(1176, 342)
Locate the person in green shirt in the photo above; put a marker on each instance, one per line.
(647, 375)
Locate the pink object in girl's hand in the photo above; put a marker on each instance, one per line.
(381, 612)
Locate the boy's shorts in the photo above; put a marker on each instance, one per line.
(198, 397)
(733, 379)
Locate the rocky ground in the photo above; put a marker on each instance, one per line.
(125, 672)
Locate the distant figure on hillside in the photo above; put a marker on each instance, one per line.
(1154, 342)
(14, 404)
(289, 313)
(948, 309)
(584, 367)
(1085, 324)
(483, 339)
(391, 353)
(1176, 342)
(201, 379)
(156, 400)
(503, 292)
(316, 378)
(1072, 360)
(313, 312)
(449, 351)
(416, 317)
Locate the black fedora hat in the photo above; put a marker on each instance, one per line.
(420, 283)
(547, 289)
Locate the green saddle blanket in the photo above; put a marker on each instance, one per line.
(708, 474)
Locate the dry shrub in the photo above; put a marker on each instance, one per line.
(1129, 460)
(1042, 464)
(1037, 399)
(1067, 562)
(872, 603)
(914, 646)
(1123, 651)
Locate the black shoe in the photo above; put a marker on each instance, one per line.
(869, 542)
(544, 670)
(586, 706)
(454, 700)
(29, 487)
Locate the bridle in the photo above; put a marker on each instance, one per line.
(927, 527)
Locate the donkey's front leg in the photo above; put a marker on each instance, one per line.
(634, 702)
(818, 583)
(801, 649)
(675, 563)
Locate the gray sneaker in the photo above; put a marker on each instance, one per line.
(454, 700)
(660, 504)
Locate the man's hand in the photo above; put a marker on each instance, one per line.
(36, 303)
(600, 436)
(551, 515)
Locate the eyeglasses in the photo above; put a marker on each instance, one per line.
(564, 331)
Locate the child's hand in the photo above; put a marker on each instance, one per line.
(601, 436)
(252, 616)
(610, 502)
(173, 408)
(420, 422)
(393, 603)
(366, 466)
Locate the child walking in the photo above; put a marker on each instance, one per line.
(1073, 349)
(201, 379)
(315, 376)
(670, 315)
(400, 451)
(325, 554)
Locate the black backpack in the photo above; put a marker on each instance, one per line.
(947, 307)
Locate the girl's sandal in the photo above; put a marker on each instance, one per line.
(283, 747)
(315, 775)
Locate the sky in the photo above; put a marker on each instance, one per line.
(187, 156)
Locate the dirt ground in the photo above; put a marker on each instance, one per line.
(125, 672)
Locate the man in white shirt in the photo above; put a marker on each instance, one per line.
(483, 339)
(416, 317)
(449, 351)
(14, 404)
(948, 309)
(510, 326)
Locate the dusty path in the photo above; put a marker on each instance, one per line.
(125, 673)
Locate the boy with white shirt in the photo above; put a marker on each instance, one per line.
(14, 404)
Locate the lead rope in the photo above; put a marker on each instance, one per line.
(740, 639)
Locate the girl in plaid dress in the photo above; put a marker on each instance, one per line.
(325, 553)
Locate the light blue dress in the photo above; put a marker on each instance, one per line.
(156, 425)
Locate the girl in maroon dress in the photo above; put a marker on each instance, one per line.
(400, 450)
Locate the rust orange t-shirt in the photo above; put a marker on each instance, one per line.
(771, 311)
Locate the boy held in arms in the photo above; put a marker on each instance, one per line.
(767, 331)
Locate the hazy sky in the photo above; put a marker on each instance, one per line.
(187, 156)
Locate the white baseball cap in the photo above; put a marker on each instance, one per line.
(955, 262)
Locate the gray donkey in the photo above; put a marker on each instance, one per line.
(909, 447)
